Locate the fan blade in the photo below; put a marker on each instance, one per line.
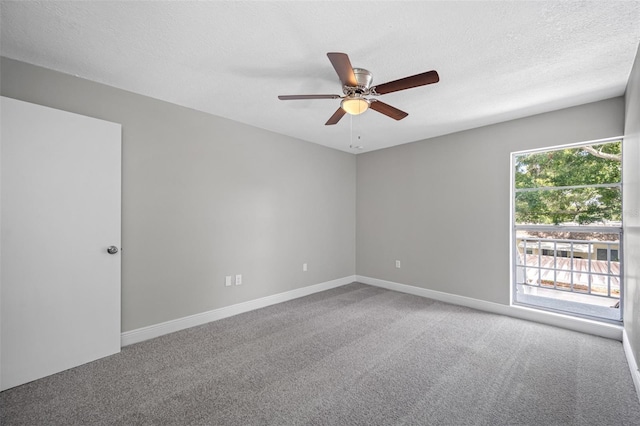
(342, 65)
(294, 97)
(387, 109)
(335, 117)
(417, 80)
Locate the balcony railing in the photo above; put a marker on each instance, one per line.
(588, 267)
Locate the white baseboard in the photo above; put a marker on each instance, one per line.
(157, 330)
(578, 324)
(631, 360)
(610, 331)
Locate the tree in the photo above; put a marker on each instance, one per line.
(547, 182)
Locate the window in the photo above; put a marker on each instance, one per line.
(561, 253)
(606, 254)
(567, 229)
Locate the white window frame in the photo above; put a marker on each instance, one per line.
(558, 228)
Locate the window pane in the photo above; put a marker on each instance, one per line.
(581, 206)
(569, 267)
(587, 165)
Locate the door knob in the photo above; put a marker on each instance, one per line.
(112, 250)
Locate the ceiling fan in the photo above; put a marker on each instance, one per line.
(356, 84)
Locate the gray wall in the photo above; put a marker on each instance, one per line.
(631, 200)
(204, 197)
(441, 206)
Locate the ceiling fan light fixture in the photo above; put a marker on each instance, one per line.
(355, 105)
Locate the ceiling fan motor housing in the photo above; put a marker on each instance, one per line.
(363, 78)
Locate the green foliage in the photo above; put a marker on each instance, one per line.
(597, 164)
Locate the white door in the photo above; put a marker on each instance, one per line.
(60, 211)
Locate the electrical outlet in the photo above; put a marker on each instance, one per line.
(238, 279)
(227, 281)
(304, 267)
(398, 264)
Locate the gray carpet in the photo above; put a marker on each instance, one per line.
(354, 355)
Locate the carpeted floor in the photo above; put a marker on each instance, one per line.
(354, 355)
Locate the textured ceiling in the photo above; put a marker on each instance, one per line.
(497, 60)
